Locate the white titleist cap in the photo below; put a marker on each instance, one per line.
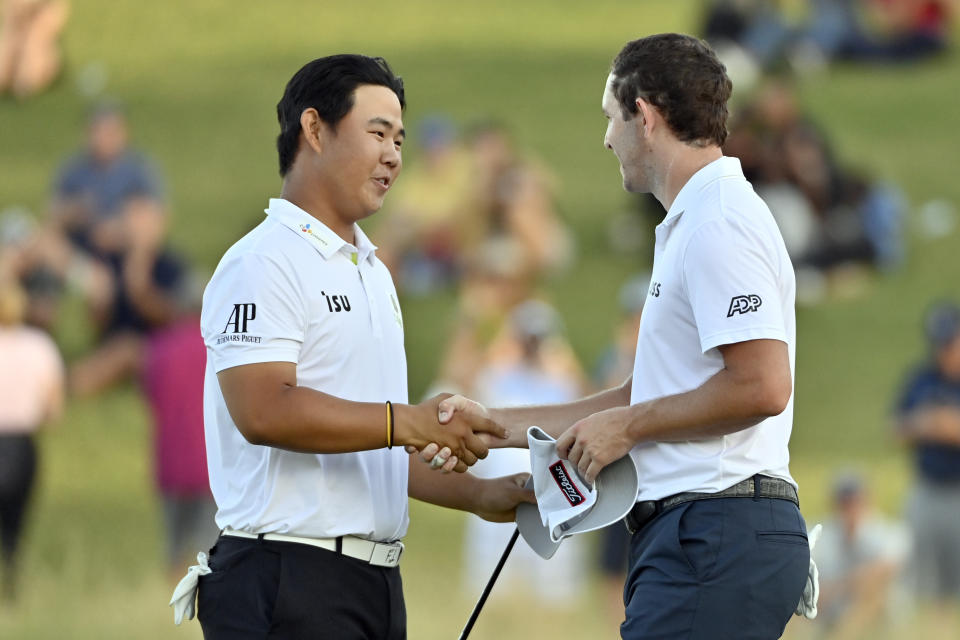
(566, 504)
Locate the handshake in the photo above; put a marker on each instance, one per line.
(450, 432)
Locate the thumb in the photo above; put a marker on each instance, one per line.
(448, 406)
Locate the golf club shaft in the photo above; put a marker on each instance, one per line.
(489, 587)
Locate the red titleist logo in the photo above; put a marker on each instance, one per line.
(570, 491)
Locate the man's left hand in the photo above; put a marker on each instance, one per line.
(498, 500)
(596, 441)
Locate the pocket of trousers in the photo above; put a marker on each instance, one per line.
(700, 535)
(783, 537)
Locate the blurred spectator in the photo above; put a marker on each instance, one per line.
(615, 366)
(494, 282)
(928, 415)
(171, 373)
(420, 239)
(831, 217)
(525, 369)
(101, 183)
(458, 200)
(30, 58)
(513, 201)
(147, 280)
(860, 556)
(31, 394)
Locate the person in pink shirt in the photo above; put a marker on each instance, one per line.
(31, 394)
(172, 370)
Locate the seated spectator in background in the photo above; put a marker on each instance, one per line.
(860, 555)
(512, 200)
(830, 217)
(101, 183)
(171, 373)
(30, 58)
(85, 241)
(148, 279)
(928, 420)
(525, 366)
(419, 239)
(31, 394)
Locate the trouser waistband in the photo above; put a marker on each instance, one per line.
(381, 554)
(758, 486)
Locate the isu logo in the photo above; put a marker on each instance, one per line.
(570, 491)
(743, 304)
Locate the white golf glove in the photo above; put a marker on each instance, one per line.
(184, 599)
(807, 607)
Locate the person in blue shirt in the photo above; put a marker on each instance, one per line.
(928, 420)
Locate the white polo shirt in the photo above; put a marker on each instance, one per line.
(721, 275)
(291, 290)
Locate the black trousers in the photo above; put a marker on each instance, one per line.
(18, 467)
(268, 589)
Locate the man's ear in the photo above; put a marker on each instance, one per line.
(312, 129)
(646, 117)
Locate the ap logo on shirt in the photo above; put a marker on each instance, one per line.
(744, 304)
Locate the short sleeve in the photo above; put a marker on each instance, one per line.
(733, 284)
(253, 311)
(145, 180)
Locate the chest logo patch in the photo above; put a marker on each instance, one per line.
(337, 303)
(744, 304)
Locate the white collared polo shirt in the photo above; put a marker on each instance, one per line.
(721, 275)
(291, 290)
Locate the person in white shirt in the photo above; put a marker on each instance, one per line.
(719, 548)
(306, 390)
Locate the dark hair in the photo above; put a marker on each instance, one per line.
(327, 85)
(682, 77)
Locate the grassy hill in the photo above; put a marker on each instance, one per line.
(201, 80)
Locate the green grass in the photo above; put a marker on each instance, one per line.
(201, 80)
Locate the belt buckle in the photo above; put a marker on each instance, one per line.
(386, 555)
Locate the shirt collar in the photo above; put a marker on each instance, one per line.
(723, 167)
(319, 235)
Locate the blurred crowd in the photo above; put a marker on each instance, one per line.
(102, 247)
(766, 35)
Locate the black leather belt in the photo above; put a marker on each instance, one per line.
(756, 487)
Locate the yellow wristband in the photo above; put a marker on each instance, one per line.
(389, 425)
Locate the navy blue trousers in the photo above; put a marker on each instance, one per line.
(282, 590)
(716, 569)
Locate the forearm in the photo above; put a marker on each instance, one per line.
(724, 404)
(309, 421)
(452, 490)
(933, 424)
(557, 418)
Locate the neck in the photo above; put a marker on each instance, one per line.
(678, 164)
(312, 201)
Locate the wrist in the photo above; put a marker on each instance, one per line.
(404, 417)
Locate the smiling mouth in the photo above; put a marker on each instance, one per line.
(383, 182)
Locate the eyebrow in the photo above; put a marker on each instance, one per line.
(386, 123)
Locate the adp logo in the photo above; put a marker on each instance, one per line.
(744, 304)
(239, 317)
(569, 489)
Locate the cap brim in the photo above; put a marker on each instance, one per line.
(617, 486)
(532, 530)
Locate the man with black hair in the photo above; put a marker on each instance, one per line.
(719, 549)
(306, 389)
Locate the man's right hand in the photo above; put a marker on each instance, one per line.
(418, 426)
